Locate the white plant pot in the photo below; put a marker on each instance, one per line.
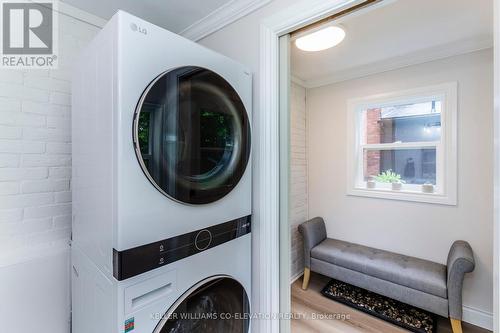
(396, 186)
(370, 184)
(428, 188)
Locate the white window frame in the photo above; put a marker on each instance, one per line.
(446, 149)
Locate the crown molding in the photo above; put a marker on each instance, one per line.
(77, 13)
(221, 17)
(81, 15)
(422, 56)
(297, 80)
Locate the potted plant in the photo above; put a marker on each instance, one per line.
(390, 176)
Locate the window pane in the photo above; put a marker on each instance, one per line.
(413, 166)
(417, 122)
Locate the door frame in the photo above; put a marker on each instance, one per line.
(496, 171)
(269, 201)
(270, 227)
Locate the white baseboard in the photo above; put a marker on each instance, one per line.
(296, 277)
(478, 317)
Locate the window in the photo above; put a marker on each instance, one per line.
(402, 145)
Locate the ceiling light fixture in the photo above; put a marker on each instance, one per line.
(321, 39)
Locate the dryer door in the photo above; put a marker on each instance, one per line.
(192, 135)
(218, 304)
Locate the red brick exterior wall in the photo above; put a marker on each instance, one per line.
(373, 135)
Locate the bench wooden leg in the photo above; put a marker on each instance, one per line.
(307, 276)
(456, 325)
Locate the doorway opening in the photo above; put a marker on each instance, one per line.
(382, 136)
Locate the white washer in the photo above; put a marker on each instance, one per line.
(161, 139)
(138, 304)
(161, 174)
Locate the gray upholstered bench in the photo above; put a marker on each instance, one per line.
(425, 284)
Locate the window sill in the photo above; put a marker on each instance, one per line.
(403, 195)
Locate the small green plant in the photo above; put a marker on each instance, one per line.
(389, 176)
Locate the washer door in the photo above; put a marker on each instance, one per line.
(192, 135)
(218, 304)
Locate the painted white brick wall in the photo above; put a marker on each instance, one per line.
(35, 148)
(298, 175)
(35, 188)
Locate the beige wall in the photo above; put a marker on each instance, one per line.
(416, 229)
(298, 175)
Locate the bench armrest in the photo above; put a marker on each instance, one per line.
(313, 232)
(460, 261)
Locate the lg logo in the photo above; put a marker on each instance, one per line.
(135, 27)
(27, 28)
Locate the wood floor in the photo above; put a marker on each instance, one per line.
(309, 304)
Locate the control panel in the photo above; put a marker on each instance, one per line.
(141, 259)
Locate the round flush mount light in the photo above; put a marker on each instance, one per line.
(321, 39)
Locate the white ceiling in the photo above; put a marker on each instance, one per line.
(396, 34)
(174, 15)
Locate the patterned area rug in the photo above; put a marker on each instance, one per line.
(401, 314)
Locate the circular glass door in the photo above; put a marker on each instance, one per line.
(218, 304)
(192, 135)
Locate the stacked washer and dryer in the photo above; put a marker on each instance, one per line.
(161, 185)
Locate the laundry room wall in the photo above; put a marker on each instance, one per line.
(298, 175)
(35, 196)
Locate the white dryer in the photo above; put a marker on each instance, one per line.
(161, 146)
